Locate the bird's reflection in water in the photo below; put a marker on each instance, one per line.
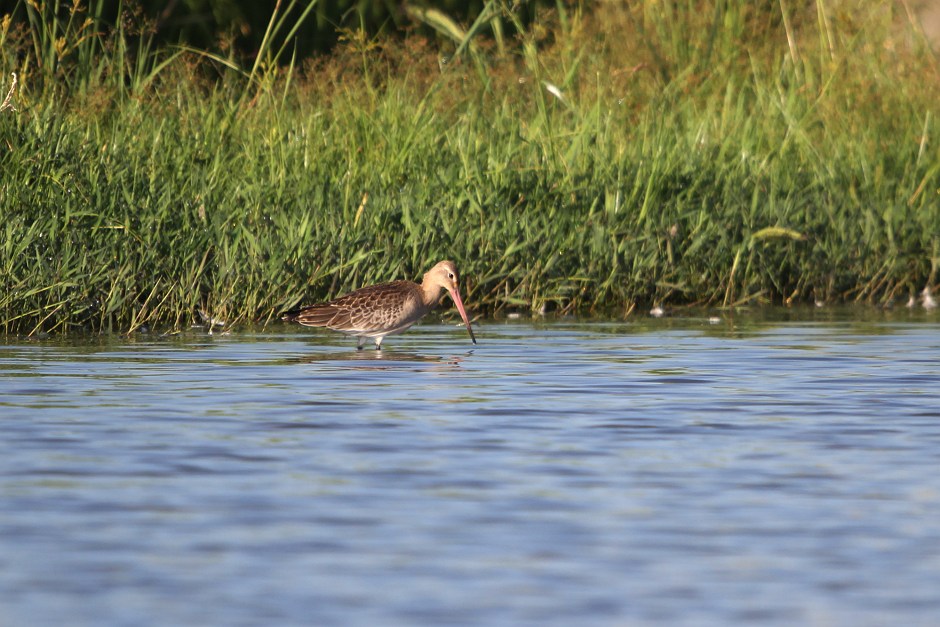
(380, 359)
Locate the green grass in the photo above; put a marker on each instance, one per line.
(719, 155)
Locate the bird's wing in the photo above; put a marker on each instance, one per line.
(367, 310)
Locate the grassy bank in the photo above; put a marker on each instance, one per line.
(588, 162)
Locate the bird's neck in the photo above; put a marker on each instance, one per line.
(430, 294)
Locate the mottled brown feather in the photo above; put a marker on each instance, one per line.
(373, 309)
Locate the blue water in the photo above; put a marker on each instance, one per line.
(679, 471)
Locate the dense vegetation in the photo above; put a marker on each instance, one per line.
(243, 24)
(637, 153)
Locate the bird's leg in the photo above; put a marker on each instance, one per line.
(360, 341)
(378, 343)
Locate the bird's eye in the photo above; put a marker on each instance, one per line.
(450, 275)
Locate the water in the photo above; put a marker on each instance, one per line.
(675, 471)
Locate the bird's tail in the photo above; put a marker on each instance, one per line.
(314, 316)
(291, 316)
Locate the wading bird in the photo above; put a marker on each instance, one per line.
(384, 309)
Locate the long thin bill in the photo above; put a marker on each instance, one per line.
(463, 314)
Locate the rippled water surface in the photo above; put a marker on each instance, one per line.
(678, 471)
